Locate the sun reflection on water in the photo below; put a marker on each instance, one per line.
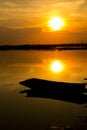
(56, 66)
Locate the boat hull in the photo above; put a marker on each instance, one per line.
(54, 87)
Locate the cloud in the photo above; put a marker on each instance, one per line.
(8, 4)
(18, 36)
(35, 35)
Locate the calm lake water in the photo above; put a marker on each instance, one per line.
(19, 112)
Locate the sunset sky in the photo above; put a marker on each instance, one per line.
(26, 21)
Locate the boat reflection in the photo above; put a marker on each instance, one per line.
(78, 99)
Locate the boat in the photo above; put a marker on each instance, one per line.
(52, 87)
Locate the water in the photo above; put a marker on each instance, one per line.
(19, 112)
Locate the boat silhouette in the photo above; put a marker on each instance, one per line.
(55, 87)
(69, 92)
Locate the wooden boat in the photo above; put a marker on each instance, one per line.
(42, 85)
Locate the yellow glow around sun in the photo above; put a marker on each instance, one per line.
(56, 23)
(56, 66)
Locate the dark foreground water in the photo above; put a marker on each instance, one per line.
(31, 113)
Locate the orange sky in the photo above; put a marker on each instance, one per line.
(27, 21)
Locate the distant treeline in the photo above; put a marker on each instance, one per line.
(72, 46)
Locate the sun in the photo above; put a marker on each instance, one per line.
(56, 66)
(56, 23)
